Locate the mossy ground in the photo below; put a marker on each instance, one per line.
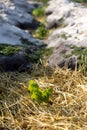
(39, 12)
(81, 1)
(45, 52)
(33, 56)
(40, 15)
(6, 49)
(81, 53)
(43, 1)
(26, 42)
(41, 32)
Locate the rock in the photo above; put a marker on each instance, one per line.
(15, 35)
(70, 29)
(15, 21)
(74, 23)
(16, 18)
(56, 60)
(14, 62)
(19, 58)
(62, 56)
(33, 25)
(72, 62)
(59, 60)
(52, 24)
(48, 13)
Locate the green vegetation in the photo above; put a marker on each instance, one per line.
(64, 35)
(43, 1)
(26, 42)
(39, 12)
(44, 52)
(81, 53)
(40, 95)
(67, 56)
(41, 32)
(9, 49)
(81, 1)
(34, 58)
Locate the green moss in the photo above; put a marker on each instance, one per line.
(43, 1)
(41, 53)
(32, 57)
(9, 49)
(26, 42)
(80, 1)
(39, 12)
(64, 35)
(41, 32)
(81, 52)
(45, 52)
(67, 56)
(78, 50)
(84, 2)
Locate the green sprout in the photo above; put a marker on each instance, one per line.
(40, 95)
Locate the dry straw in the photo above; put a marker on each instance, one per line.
(68, 107)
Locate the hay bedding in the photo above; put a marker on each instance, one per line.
(67, 111)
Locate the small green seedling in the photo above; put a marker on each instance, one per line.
(40, 95)
(33, 86)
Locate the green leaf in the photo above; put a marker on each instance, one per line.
(46, 94)
(33, 86)
(37, 95)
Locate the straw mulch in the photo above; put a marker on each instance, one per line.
(67, 109)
